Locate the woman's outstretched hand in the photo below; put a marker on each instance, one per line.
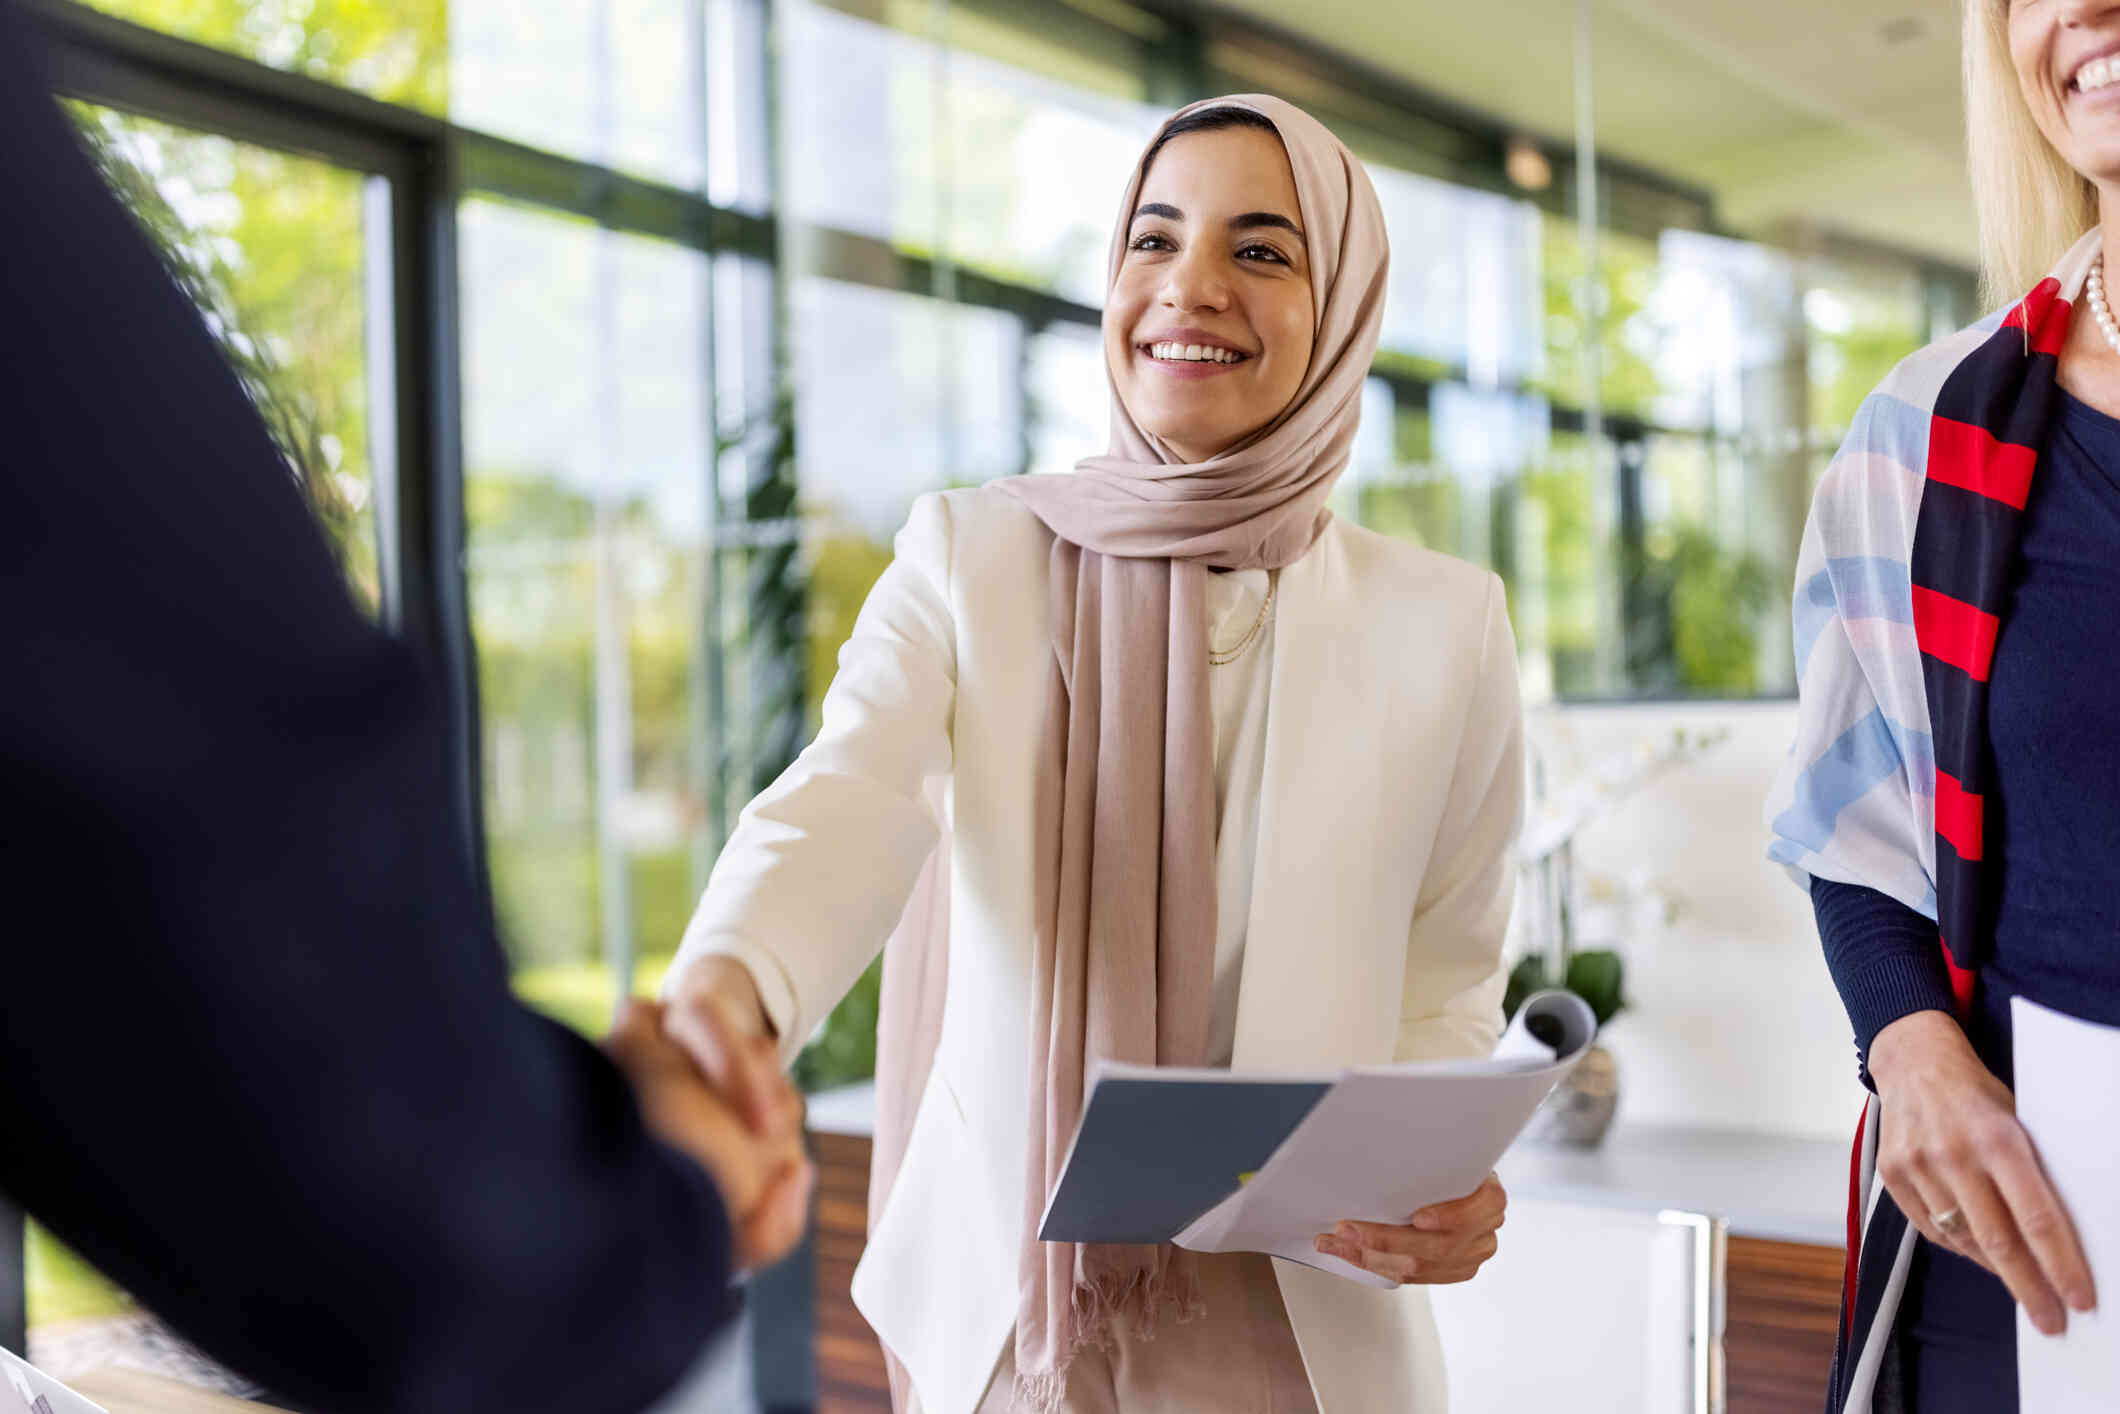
(1437, 1246)
(764, 1180)
(1950, 1148)
(714, 1013)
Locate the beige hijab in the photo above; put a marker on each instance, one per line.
(1125, 805)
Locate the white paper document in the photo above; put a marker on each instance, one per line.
(2068, 1099)
(26, 1388)
(1387, 1141)
(1229, 1162)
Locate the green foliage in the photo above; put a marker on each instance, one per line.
(1594, 974)
(1619, 298)
(843, 568)
(844, 1049)
(1415, 366)
(1570, 550)
(397, 50)
(1847, 362)
(1695, 615)
(1717, 599)
(1427, 512)
(580, 995)
(272, 258)
(60, 1286)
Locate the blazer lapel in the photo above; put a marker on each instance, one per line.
(1300, 1001)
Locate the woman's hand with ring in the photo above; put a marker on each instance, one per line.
(1959, 1165)
(1437, 1246)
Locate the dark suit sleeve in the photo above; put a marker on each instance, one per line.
(258, 1060)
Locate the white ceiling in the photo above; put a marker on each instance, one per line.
(1837, 116)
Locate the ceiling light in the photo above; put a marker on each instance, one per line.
(1526, 165)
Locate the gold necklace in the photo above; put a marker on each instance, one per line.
(1222, 657)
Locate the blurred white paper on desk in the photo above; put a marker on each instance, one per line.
(2068, 1099)
(31, 1389)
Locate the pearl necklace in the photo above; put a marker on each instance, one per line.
(2099, 312)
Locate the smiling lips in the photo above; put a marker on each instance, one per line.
(1192, 360)
(2096, 74)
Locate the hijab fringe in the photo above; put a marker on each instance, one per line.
(1139, 1301)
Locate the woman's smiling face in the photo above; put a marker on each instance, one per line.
(2067, 57)
(1208, 327)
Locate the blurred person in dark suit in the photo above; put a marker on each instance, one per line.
(258, 1057)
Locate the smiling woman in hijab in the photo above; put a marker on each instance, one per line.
(1155, 762)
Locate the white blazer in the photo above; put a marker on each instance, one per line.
(1390, 802)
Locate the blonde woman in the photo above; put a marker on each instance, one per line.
(1217, 779)
(1953, 797)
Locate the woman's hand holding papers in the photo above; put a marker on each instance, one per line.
(1437, 1246)
(1950, 1147)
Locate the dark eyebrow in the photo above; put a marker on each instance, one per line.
(1265, 218)
(1246, 221)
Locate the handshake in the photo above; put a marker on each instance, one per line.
(707, 1075)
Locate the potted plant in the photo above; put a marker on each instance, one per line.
(1581, 1107)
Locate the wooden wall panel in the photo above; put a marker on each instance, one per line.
(1784, 1301)
(850, 1372)
(1781, 1315)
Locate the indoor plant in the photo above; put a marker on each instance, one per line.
(1581, 1107)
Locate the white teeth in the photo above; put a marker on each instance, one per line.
(2096, 75)
(1192, 353)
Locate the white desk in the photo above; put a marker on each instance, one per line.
(1763, 1185)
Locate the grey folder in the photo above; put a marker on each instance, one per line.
(1152, 1155)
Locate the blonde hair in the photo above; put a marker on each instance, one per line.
(2031, 204)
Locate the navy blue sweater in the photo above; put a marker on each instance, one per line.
(2053, 823)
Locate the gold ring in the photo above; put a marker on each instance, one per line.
(1950, 1222)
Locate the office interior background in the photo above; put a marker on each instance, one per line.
(613, 338)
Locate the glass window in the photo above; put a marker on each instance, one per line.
(1463, 292)
(1067, 398)
(1612, 309)
(899, 395)
(620, 83)
(1035, 172)
(1563, 592)
(1859, 323)
(586, 437)
(1025, 187)
(395, 50)
(858, 114)
(1392, 483)
(275, 250)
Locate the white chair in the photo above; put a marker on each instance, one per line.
(1590, 1310)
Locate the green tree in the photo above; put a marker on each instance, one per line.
(269, 247)
(1620, 328)
(396, 50)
